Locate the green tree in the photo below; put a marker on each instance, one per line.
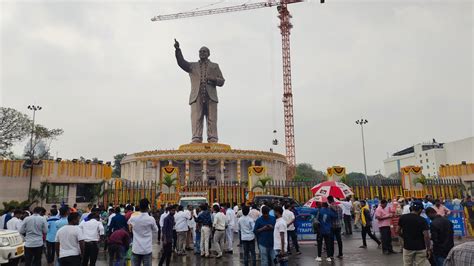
(41, 144)
(42, 194)
(117, 170)
(262, 183)
(420, 180)
(14, 127)
(97, 192)
(169, 181)
(306, 172)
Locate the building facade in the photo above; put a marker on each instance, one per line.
(202, 162)
(431, 156)
(67, 181)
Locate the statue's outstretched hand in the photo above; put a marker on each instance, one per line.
(176, 44)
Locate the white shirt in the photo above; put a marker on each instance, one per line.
(246, 225)
(143, 226)
(280, 227)
(406, 209)
(181, 221)
(91, 230)
(219, 221)
(191, 222)
(68, 238)
(230, 217)
(14, 224)
(289, 216)
(162, 218)
(109, 220)
(346, 207)
(84, 215)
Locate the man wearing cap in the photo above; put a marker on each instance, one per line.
(415, 233)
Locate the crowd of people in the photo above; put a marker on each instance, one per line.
(71, 237)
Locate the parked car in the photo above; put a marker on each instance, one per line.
(11, 245)
(260, 199)
(194, 201)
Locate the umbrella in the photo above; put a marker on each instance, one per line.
(314, 200)
(332, 188)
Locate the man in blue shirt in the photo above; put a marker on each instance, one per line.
(205, 220)
(264, 232)
(118, 221)
(325, 217)
(51, 236)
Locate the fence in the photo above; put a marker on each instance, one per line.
(123, 191)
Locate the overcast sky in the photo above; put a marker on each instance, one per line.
(107, 75)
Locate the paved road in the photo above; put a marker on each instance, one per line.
(353, 255)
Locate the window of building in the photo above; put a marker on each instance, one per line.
(421, 161)
(426, 154)
(85, 192)
(429, 175)
(426, 159)
(420, 155)
(57, 193)
(427, 167)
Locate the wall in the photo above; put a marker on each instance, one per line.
(460, 150)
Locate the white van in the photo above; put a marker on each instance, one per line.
(11, 245)
(193, 201)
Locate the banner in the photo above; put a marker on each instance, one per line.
(304, 223)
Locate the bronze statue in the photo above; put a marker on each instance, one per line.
(205, 76)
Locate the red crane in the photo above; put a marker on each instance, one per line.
(285, 27)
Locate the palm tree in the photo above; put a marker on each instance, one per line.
(169, 181)
(262, 183)
(97, 192)
(39, 195)
(420, 180)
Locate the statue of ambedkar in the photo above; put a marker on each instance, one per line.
(205, 76)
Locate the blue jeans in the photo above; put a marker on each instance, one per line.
(138, 259)
(277, 251)
(439, 260)
(116, 255)
(197, 243)
(267, 254)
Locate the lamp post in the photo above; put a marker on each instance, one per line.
(362, 122)
(34, 108)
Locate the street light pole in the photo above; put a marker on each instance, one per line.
(362, 122)
(34, 108)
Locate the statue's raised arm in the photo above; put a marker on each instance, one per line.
(185, 65)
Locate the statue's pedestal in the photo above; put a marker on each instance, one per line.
(205, 146)
(204, 162)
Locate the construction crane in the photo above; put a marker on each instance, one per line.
(285, 27)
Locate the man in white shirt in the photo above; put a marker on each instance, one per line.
(280, 235)
(247, 236)
(69, 242)
(34, 227)
(86, 214)
(181, 226)
(254, 213)
(289, 218)
(346, 207)
(229, 231)
(15, 222)
(236, 219)
(190, 238)
(92, 230)
(142, 226)
(406, 207)
(219, 225)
